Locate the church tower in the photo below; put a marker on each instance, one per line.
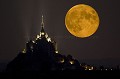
(42, 33)
(41, 55)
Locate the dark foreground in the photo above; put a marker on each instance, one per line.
(63, 75)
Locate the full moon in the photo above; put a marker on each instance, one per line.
(82, 21)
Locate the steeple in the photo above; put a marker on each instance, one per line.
(42, 27)
(43, 34)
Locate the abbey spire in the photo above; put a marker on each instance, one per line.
(43, 34)
(42, 26)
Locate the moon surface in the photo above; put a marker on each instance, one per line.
(82, 21)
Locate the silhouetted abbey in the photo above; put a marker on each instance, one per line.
(42, 55)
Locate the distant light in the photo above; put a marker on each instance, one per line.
(92, 68)
(71, 62)
(38, 36)
(42, 33)
(62, 61)
(56, 51)
(24, 51)
(111, 69)
(46, 35)
(49, 39)
(80, 65)
(106, 69)
(31, 47)
(33, 41)
(86, 68)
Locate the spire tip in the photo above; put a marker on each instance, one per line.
(42, 23)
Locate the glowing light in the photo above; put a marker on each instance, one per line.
(31, 47)
(62, 60)
(91, 68)
(80, 65)
(56, 51)
(24, 51)
(46, 35)
(42, 33)
(33, 41)
(88, 67)
(49, 39)
(71, 62)
(37, 37)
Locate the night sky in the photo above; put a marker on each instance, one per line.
(20, 20)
